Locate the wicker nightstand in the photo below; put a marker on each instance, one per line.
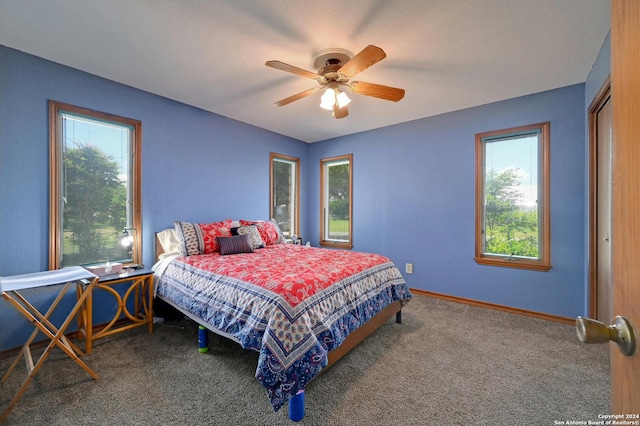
(140, 285)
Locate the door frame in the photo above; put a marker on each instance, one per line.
(598, 102)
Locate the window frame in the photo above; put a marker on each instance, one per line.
(543, 262)
(296, 215)
(55, 177)
(324, 240)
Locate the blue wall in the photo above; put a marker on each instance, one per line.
(414, 201)
(196, 166)
(413, 183)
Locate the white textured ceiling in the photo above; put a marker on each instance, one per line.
(447, 54)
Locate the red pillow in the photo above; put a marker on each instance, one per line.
(212, 230)
(200, 238)
(268, 231)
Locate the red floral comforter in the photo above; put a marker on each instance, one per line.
(291, 303)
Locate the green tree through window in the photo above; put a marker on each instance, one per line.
(509, 227)
(336, 201)
(95, 205)
(512, 198)
(94, 186)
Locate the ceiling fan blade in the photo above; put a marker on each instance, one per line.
(363, 60)
(377, 91)
(340, 112)
(290, 68)
(295, 97)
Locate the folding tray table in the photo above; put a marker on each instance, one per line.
(11, 286)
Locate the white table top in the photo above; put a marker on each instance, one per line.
(46, 278)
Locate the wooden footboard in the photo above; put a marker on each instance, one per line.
(365, 330)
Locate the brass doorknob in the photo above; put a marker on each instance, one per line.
(621, 332)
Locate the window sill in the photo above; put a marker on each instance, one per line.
(516, 263)
(336, 244)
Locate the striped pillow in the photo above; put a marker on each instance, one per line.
(234, 245)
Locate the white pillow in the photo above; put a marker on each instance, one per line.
(169, 242)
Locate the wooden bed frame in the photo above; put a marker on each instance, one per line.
(352, 340)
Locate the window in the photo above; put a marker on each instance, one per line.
(512, 198)
(285, 194)
(336, 185)
(94, 187)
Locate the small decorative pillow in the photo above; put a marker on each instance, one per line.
(252, 232)
(234, 244)
(269, 231)
(197, 238)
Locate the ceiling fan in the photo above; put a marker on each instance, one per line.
(335, 69)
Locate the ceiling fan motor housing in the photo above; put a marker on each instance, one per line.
(329, 61)
(330, 72)
(329, 56)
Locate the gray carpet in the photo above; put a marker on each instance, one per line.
(446, 364)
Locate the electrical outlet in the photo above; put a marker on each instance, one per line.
(408, 268)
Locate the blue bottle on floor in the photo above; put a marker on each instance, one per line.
(203, 340)
(296, 406)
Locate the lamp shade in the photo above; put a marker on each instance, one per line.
(328, 99)
(343, 100)
(126, 239)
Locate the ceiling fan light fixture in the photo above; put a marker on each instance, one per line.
(328, 99)
(343, 100)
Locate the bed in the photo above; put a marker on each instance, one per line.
(301, 308)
